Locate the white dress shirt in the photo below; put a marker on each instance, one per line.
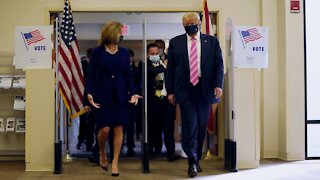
(189, 41)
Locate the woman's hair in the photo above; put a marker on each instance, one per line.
(110, 33)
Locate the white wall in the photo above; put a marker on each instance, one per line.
(295, 107)
(269, 85)
(291, 83)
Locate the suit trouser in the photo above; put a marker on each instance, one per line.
(129, 129)
(86, 130)
(167, 117)
(162, 119)
(82, 128)
(154, 127)
(138, 119)
(195, 114)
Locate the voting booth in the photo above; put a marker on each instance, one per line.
(33, 54)
(247, 48)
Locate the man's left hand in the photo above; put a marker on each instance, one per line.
(217, 92)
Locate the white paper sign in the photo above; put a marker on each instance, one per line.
(20, 125)
(1, 125)
(5, 81)
(19, 81)
(33, 47)
(19, 103)
(10, 125)
(250, 47)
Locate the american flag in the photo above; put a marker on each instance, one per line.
(206, 28)
(33, 37)
(206, 25)
(250, 35)
(71, 82)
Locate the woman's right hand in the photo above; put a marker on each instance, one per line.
(90, 99)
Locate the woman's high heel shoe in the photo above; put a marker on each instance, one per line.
(115, 173)
(104, 167)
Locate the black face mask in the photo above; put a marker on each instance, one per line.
(192, 29)
(119, 39)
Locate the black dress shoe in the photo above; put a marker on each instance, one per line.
(89, 149)
(172, 158)
(192, 172)
(94, 160)
(79, 146)
(198, 167)
(131, 152)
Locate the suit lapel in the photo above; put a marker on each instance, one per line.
(185, 44)
(203, 52)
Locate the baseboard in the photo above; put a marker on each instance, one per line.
(248, 164)
(12, 158)
(292, 156)
(39, 167)
(17, 155)
(270, 154)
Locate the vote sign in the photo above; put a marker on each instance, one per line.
(250, 47)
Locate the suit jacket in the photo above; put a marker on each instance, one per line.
(136, 74)
(178, 70)
(84, 65)
(109, 76)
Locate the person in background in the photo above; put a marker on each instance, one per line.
(136, 69)
(135, 114)
(194, 80)
(110, 87)
(162, 113)
(162, 47)
(86, 127)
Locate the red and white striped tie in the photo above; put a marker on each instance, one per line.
(193, 62)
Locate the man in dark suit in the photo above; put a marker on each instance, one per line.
(194, 79)
(161, 112)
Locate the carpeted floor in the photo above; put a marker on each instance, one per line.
(130, 168)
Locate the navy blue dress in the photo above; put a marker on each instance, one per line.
(110, 83)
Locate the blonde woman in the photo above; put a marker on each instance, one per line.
(109, 88)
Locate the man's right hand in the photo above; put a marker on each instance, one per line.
(90, 99)
(171, 99)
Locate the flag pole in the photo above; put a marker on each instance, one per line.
(145, 141)
(206, 28)
(68, 157)
(57, 143)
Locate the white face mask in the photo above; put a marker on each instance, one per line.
(154, 58)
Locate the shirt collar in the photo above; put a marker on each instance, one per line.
(197, 37)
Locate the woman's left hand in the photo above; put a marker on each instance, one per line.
(135, 98)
